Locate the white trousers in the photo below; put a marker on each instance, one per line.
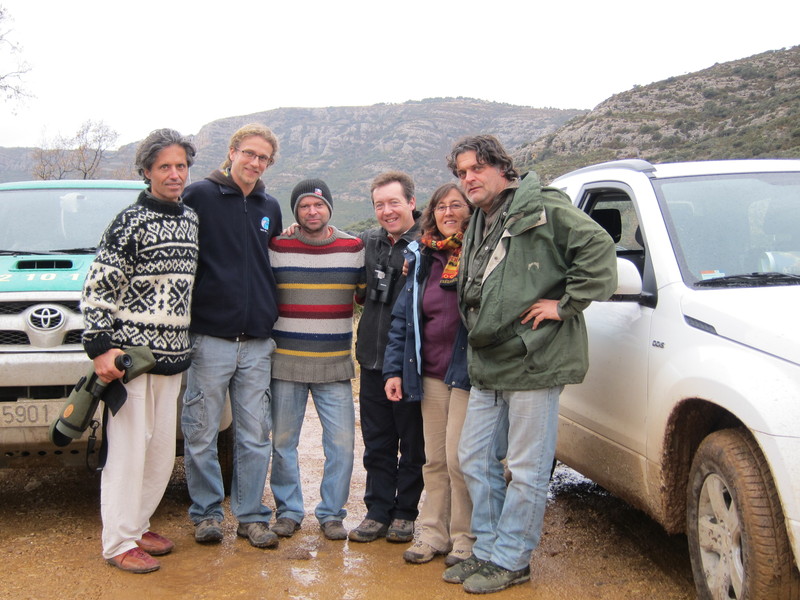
(141, 456)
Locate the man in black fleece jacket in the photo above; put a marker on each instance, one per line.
(233, 310)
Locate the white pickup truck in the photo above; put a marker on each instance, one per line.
(690, 410)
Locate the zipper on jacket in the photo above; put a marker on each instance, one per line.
(246, 279)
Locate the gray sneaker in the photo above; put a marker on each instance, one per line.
(258, 534)
(400, 531)
(456, 556)
(333, 530)
(368, 531)
(208, 531)
(493, 578)
(285, 527)
(459, 572)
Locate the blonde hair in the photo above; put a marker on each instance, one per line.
(247, 131)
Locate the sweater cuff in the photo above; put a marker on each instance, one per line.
(97, 345)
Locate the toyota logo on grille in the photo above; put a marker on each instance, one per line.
(45, 318)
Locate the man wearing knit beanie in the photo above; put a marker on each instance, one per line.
(311, 187)
(319, 271)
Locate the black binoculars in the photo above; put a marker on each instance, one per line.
(381, 290)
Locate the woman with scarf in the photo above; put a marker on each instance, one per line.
(426, 361)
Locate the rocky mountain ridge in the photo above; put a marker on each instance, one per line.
(747, 108)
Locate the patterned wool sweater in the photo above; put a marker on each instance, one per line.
(138, 289)
(317, 282)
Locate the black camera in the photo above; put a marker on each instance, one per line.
(381, 290)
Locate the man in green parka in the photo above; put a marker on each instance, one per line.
(531, 263)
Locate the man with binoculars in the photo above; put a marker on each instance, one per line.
(393, 486)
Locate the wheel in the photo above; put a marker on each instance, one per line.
(225, 456)
(738, 543)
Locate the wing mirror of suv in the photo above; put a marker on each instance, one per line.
(629, 281)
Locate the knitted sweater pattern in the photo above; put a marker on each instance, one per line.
(317, 282)
(138, 289)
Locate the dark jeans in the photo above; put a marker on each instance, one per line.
(393, 486)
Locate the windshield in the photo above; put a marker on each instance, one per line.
(725, 226)
(60, 220)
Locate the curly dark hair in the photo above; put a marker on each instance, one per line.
(488, 150)
(154, 143)
(427, 223)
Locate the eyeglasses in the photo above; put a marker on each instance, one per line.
(249, 155)
(455, 207)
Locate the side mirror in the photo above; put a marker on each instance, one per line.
(629, 281)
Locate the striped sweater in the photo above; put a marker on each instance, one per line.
(317, 282)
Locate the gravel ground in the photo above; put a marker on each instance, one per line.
(593, 546)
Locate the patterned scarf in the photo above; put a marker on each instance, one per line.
(451, 268)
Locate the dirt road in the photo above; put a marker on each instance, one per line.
(594, 546)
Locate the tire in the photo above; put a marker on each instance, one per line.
(225, 456)
(738, 543)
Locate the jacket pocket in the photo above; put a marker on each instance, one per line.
(541, 351)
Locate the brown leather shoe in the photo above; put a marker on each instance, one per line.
(135, 560)
(155, 545)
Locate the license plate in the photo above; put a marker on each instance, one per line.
(30, 413)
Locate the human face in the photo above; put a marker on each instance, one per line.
(313, 215)
(481, 183)
(394, 212)
(450, 213)
(249, 161)
(168, 174)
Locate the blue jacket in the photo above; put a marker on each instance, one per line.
(403, 357)
(234, 289)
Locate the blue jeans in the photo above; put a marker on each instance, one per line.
(243, 370)
(520, 426)
(334, 404)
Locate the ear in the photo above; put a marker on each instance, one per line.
(231, 152)
(413, 202)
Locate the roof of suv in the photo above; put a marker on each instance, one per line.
(705, 167)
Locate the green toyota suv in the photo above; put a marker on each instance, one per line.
(48, 234)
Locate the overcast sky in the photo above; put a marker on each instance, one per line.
(141, 65)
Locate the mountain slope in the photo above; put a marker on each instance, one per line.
(748, 108)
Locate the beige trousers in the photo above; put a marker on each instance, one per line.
(141, 456)
(446, 510)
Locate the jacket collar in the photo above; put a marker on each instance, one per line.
(526, 209)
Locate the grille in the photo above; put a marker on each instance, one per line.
(15, 308)
(36, 392)
(74, 337)
(14, 338)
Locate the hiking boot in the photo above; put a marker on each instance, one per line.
(493, 578)
(208, 531)
(368, 531)
(135, 560)
(420, 553)
(154, 544)
(400, 531)
(258, 534)
(460, 571)
(456, 556)
(334, 530)
(285, 527)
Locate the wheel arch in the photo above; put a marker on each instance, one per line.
(690, 422)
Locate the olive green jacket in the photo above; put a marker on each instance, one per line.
(540, 246)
